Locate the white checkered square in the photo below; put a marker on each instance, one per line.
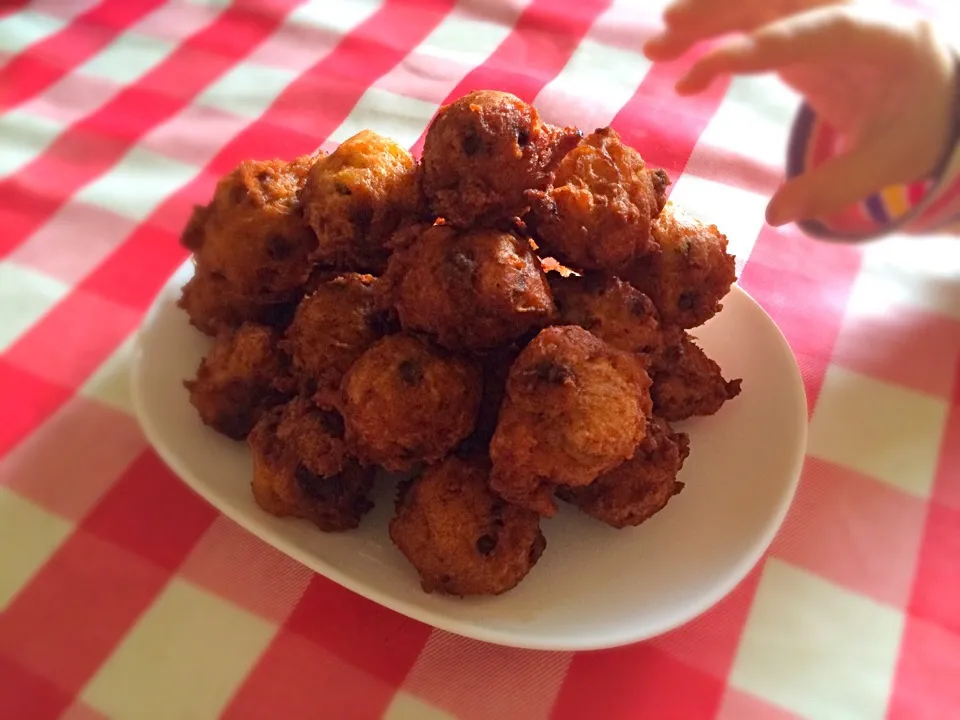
(405, 706)
(879, 429)
(21, 30)
(397, 117)
(25, 297)
(128, 58)
(738, 213)
(30, 536)
(110, 384)
(136, 185)
(336, 16)
(607, 75)
(247, 89)
(23, 137)
(816, 649)
(185, 658)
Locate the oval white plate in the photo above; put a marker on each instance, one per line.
(594, 587)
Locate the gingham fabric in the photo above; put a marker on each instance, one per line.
(123, 595)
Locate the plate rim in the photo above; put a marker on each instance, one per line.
(593, 641)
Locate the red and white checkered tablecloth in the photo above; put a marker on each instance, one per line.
(123, 595)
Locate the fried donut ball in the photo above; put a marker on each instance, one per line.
(482, 152)
(597, 214)
(461, 538)
(332, 327)
(405, 401)
(639, 488)
(356, 197)
(495, 366)
(253, 233)
(692, 272)
(235, 383)
(689, 383)
(611, 309)
(469, 290)
(575, 408)
(213, 307)
(301, 468)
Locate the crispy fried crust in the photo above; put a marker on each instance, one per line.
(301, 468)
(482, 152)
(461, 537)
(332, 327)
(235, 383)
(213, 307)
(611, 309)
(253, 233)
(469, 291)
(691, 273)
(689, 383)
(356, 198)
(405, 402)
(635, 491)
(597, 215)
(574, 408)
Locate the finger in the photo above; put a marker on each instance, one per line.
(836, 184)
(772, 47)
(666, 46)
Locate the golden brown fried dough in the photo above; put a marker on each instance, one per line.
(690, 274)
(332, 327)
(235, 383)
(482, 152)
(301, 468)
(461, 538)
(611, 309)
(356, 198)
(469, 291)
(405, 401)
(639, 488)
(253, 233)
(598, 212)
(689, 383)
(575, 408)
(213, 307)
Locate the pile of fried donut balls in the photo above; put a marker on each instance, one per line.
(500, 326)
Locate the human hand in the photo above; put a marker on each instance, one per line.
(687, 22)
(880, 78)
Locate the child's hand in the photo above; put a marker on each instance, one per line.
(882, 81)
(690, 21)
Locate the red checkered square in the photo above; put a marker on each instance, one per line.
(149, 511)
(638, 681)
(74, 611)
(926, 682)
(54, 248)
(849, 528)
(86, 323)
(739, 705)
(234, 564)
(938, 572)
(24, 694)
(900, 344)
(472, 679)
(709, 642)
(296, 678)
(28, 400)
(67, 464)
(374, 639)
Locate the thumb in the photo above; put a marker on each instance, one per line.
(837, 183)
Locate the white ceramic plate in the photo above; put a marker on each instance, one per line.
(594, 586)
